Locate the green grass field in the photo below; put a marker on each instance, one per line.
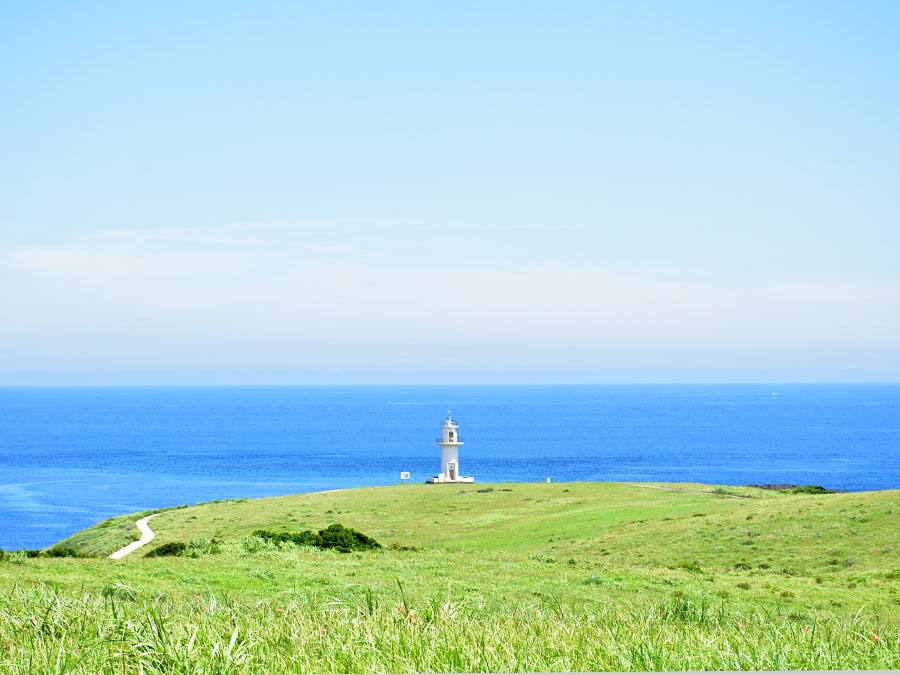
(509, 577)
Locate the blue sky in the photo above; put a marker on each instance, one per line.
(290, 192)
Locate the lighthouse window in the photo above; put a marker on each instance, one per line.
(451, 435)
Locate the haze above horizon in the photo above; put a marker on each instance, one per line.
(231, 193)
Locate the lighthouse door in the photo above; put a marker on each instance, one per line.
(451, 469)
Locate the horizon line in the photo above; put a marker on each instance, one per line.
(456, 384)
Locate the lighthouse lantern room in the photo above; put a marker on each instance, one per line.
(449, 442)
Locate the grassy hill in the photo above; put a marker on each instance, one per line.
(574, 576)
(632, 523)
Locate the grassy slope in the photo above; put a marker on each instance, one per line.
(106, 536)
(514, 517)
(633, 525)
(581, 570)
(307, 611)
(813, 550)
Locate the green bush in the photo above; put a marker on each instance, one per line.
(64, 552)
(808, 490)
(336, 536)
(305, 538)
(173, 548)
(345, 539)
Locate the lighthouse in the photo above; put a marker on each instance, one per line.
(449, 441)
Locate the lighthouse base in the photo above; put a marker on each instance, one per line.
(441, 478)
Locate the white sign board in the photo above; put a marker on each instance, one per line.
(404, 475)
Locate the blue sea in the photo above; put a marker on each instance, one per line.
(71, 456)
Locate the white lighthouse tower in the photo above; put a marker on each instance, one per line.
(449, 442)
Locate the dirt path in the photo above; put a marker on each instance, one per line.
(146, 537)
(694, 492)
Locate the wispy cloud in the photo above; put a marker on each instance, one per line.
(254, 298)
(255, 236)
(268, 297)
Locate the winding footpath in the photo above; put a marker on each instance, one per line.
(146, 537)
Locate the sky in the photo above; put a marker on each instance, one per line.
(460, 192)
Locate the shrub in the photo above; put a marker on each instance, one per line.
(336, 536)
(808, 490)
(65, 552)
(485, 490)
(173, 548)
(345, 539)
(306, 538)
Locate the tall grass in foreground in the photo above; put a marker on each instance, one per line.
(43, 630)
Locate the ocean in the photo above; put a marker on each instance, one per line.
(71, 456)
